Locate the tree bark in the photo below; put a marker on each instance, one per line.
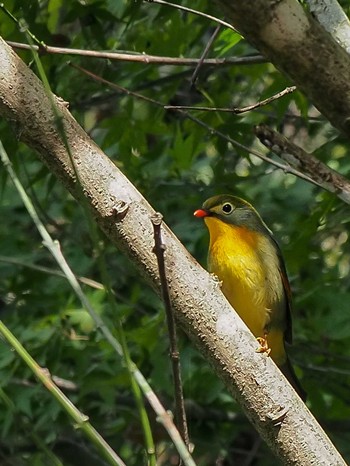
(301, 48)
(268, 400)
(333, 18)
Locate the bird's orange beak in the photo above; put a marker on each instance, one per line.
(200, 213)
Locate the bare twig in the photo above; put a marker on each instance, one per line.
(159, 249)
(65, 384)
(54, 248)
(285, 168)
(205, 53)
(202, 309)
(121, 89)
(211, 130)
(20, 23)
(141, 57)
(58, 273)
(234, 110)
(195, 12)
(328, 179)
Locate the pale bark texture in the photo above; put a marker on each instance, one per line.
(123, 214)
(333, 18)
(301, 48)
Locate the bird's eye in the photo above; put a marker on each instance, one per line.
(227, 208)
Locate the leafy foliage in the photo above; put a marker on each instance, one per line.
(176, 164)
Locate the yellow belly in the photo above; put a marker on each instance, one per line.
(251, 285)
(242, 284)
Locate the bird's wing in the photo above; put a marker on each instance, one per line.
(287, 292)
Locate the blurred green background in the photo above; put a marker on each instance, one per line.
(176, 164)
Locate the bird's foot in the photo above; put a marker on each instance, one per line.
(264, 346)
(216, 280)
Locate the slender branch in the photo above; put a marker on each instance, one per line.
(159, 249)
(285, 168)
(57, 273)
(119, 88)
(204, 54)
(195, 12)
(55, 250)
(65, 384)
(328, 179)
(144, 419)
(200, 306)
(85, 280)
(79, 418)
(211, 130)
(140, 57)
(235, 110)
(21, 24)
(327, 369)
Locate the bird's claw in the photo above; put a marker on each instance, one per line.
(216, 280)
(264, 346)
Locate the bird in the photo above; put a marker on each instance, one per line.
(247, 260)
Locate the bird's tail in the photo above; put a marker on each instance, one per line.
(288, 371)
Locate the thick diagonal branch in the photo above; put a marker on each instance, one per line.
(307, 163)
(123, 214)
(288, 36)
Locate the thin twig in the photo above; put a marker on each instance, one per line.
(235, 110)
(58, 273)
(162, 415)
(55, 250)
(141, 57)
(65, 384)
(21, 24)
(211, 130)
(321, 174)
(285, 168)
(159, 249)
(195, 12)
(121, 89)
(204, 54)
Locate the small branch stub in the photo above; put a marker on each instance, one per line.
(120, 209)
(157, 218)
